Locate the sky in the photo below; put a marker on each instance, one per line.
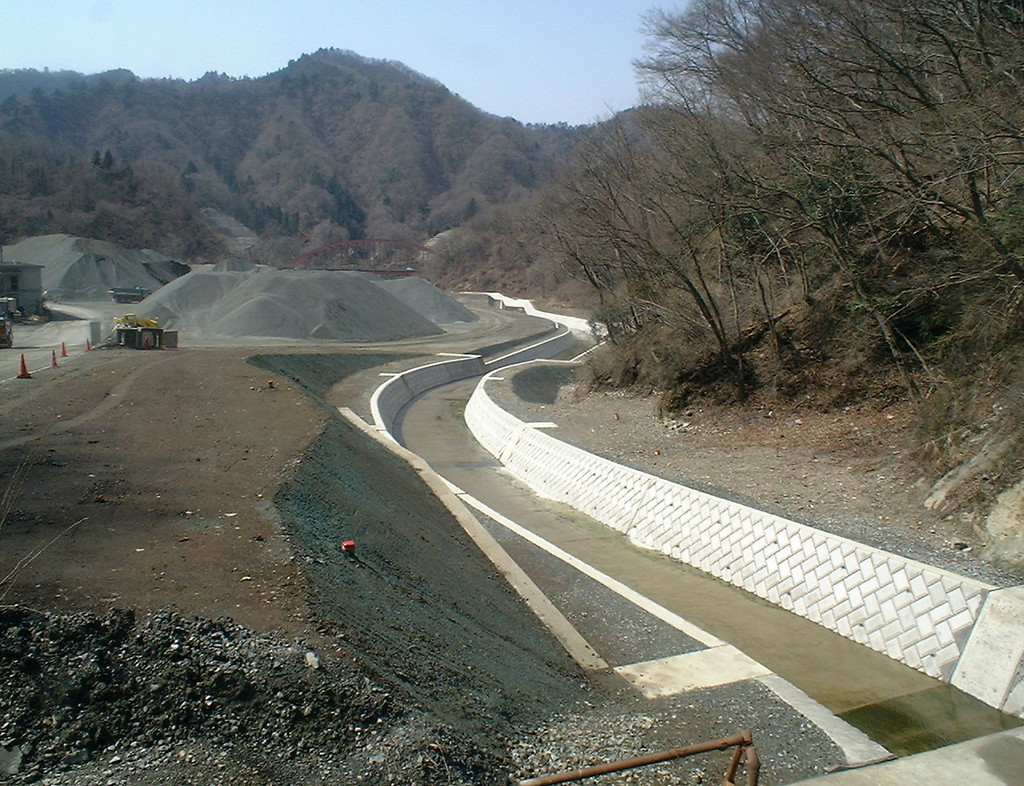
(539, 61)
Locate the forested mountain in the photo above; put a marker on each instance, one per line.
(332, 147)
(858, 161)
(824, 205)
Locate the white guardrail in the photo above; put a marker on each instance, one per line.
(959, 630)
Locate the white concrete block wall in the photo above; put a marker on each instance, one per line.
(577, 325)
(389, 399)
(912, 612)
(547, 348)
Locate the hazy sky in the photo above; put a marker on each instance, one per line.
(541, 61)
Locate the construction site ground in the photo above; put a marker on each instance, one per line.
(185, 490)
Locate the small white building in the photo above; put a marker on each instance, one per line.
(24, 283)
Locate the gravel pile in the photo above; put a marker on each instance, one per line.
(76, 268)
(233, 301)
(426, 300)
(236, 299)
(170, 699)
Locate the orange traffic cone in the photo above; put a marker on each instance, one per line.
(53, 355)
(88, 345)
(23, 371)
(63, 350)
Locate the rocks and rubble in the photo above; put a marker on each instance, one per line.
(165, 691)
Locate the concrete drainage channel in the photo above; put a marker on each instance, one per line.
(956, 629)
(960, 631)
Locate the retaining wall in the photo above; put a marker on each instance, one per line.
(951, 627)
(394, 395)
(389, 399)
(577, 325)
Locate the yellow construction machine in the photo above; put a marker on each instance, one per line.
(138, 332)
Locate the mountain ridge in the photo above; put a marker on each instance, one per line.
(333, 146)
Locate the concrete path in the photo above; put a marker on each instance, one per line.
(813, 663)
(995, 760)
(61, 340)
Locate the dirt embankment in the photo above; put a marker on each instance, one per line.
(139, 482)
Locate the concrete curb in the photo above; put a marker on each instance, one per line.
(388, 400)
(859, 749)
(577, 647)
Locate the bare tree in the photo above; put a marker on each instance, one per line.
(867, 129)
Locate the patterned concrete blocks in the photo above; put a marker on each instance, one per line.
(915, 613)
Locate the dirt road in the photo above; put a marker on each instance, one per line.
(147, 477)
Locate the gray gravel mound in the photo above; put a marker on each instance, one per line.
(234, 264)
(426, 300)
(290, 304)
(76, 268)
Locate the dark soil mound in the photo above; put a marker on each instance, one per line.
(79, 687)
(479, 658)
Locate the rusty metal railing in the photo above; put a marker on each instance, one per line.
(742, 742)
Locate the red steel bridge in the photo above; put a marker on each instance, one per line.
(370, 255)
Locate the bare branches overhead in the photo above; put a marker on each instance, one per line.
(794, 144)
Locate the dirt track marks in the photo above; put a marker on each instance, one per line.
(112, 398)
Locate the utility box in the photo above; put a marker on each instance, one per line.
(140, 338)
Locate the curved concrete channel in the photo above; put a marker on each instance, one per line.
(805, 665)
(899, 707)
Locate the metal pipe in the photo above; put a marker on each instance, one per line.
(730, 774)
(753, 765)
(740, 740)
